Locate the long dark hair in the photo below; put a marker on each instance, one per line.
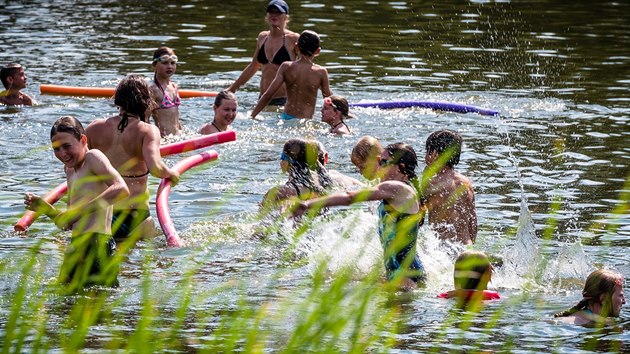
(599, 282)
(305, 158)
(134, 97)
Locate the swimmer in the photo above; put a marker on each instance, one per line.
(13, 79)
(132, 145)
(165, 92)
(448, 196)
(471, 276)
(224, 107)
(398, 213)
(366, 154)
(94, 186)
(602, 298)
(303, 78)
(308, 177)
(338, 179)
(273, 47)
(334, 111)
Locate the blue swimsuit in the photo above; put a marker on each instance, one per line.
(398, 233)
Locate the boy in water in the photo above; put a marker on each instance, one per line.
(94, 186)
(471, 276)
(448, 195)
(13, 78)
(302, 78)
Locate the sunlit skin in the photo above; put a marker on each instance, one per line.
(224, 116)
(70, 151)
(12, 95)
(273, 40)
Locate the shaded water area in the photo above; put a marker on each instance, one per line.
(550, 173)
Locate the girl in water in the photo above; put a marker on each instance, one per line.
(471, 276)
(334, 110)
(273, 48)
(225, 106)
(308, 177)
(165, 92)
(398, 213)
(602, 298)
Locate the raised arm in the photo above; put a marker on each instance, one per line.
(251, 68)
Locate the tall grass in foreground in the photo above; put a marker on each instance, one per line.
(329, 314)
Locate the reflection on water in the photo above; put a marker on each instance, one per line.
(555, 160)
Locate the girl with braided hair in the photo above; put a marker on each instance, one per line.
(602, 298)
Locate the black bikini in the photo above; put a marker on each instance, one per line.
(338, 124)
(281, 56)
(214, 125)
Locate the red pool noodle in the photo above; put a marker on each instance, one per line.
(52, 197)
(175, 148)
(108, 91)
(161, 201)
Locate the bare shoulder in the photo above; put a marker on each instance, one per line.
(292, 35)
(262, 35)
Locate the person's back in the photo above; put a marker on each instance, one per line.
(133, 147)
(302, 78)
(449, 195)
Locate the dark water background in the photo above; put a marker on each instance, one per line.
(558, 71)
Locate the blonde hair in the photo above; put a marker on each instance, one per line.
(472, 271)
(365, 149)
(598, 283)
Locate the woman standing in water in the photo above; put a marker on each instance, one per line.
(273, 48)
(602, 297)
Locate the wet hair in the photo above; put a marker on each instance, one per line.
(367, 148)
(308, 42)
(404, 156)
(598, 283)
(445, 141)
(340, 104)
(67, 124)
(7, 71)
(162, 51)
(224, 95)
(134, 97)
(305, 156)
(472, 271)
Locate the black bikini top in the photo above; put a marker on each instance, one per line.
(281, 56)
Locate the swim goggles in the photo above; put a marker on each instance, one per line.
(385, 162)
(165, 58)
(329, 101)
(287, 158)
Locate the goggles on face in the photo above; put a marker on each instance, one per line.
(287, 158)
(328, 101)
(385, 162)
(165, 58)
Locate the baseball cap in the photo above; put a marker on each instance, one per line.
(280, 5)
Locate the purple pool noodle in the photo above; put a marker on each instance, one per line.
(442, 106)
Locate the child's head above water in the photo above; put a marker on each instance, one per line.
(472, 271)
(8, 72)
(308, 43)
(366, 155)
(445, 141)
(600, 287)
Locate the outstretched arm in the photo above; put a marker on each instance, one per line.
(250, 69)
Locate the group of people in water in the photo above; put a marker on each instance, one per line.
(107, 165)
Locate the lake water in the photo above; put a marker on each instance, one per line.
(556, 158)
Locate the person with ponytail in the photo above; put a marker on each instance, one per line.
(303, 161)
(602, 298)
(132, 145)
(398, 213)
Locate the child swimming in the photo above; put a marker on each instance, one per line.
(334, 111)
(225, 106)
(471, 276)
(13, 79)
